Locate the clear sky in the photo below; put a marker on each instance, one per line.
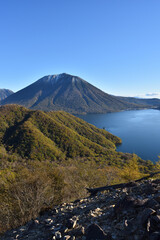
(113, 44)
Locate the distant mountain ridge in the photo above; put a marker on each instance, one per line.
(69, 93)
(4, 93)
(155, 102)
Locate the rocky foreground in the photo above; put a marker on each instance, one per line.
(131, 213)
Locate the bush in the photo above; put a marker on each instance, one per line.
(26, 192)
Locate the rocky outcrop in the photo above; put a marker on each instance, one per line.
(131, 213)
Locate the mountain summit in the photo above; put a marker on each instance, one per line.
(5, 93)
(69, 93)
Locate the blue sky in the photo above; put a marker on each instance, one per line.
(113, 44)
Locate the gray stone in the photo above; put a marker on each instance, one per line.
(155, 223)
(95, 232)
(71, 223)
(152, 203)
(58, 235)
(67, 237)
(143, 216)
(155, 236)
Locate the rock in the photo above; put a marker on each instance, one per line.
(36, 221)
(58, 235)
(24, 228)
(71, 223)
(48, 221)
(94, 232)
(157, 197)
(130, 214)
(152, 203)
(155, 236)
(151, 188)
(130, 229)
(129, 203)
(158, 211)
(155, 223)
(78, 232)
(83, 238)
(67, 237)
(156, 181)
(143, 216)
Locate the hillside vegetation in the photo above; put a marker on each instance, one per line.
(52, 136)
(50, 157)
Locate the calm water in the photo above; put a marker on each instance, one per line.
(139, 130)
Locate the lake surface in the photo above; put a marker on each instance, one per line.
(139, 130)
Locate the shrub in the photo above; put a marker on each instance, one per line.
(26, 192)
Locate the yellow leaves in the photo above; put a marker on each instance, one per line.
(6, 176)
(158, 163)
(3, 152)
(131, 170)
(26, 191)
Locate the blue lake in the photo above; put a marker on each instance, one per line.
(139, 130)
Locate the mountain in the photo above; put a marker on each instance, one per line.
(55, 135)
(68, 93)
(154, 102)
(5, 93)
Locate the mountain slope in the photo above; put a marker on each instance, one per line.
(68, 93)
(155, 102)
(5, 93)
(109, 209)
(50, 157)
(54, 135)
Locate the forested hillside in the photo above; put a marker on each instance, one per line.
(51, 136)
(50, 157)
